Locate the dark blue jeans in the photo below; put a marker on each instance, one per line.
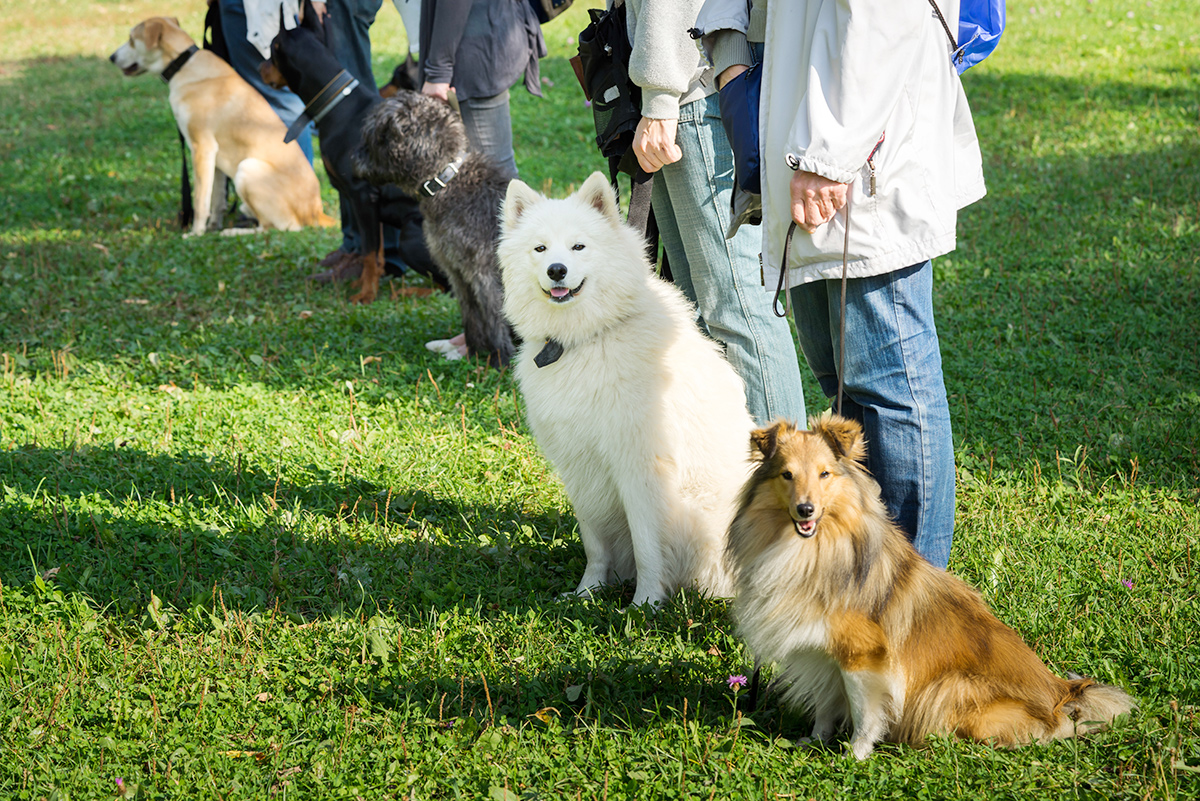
(894, 387)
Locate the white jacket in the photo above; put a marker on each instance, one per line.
(839, 75)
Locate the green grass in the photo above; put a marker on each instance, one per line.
(256, 542)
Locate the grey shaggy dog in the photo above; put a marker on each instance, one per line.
(409, 139)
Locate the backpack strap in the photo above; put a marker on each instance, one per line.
(949, 34)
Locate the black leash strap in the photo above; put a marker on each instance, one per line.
(187, 212)
(783, 268)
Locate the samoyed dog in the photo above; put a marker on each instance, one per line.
(637, 410)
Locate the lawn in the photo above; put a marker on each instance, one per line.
(257, 542)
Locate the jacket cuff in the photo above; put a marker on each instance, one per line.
(660, 105)
(730, 48)
(822, 168)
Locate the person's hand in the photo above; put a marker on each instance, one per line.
(321, 11)
(815, 199)
(439, 90)
(654, 144)
(729, 73)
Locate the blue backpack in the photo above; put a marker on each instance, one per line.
(980, 23)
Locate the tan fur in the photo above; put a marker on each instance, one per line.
(865, 632)
(229, 127)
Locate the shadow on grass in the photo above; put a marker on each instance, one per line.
(120, 524)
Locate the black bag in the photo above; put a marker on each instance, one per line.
(602, 68)
(603, 71)
(547, 10)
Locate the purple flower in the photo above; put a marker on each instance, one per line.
(736, 682)
(1128, 584)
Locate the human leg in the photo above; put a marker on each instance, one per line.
(722, 275)
(348, 28)
(488, 121)
(245, 58)
(894, 387)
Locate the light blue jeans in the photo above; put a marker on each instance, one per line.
(722, 276)
(245, 58)
(894, 387)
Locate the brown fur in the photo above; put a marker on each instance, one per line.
(865, 631)
(228, 127)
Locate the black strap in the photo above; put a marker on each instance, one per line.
(214, 33)
(641, 212)
(187, 212)
(177, 63)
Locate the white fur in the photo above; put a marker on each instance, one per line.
(642, 417)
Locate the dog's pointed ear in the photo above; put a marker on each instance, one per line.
(174, 21)
(765, 441)
(517, 200)
(152, 31)
(597, 192)
(310, 21)
(843, 436)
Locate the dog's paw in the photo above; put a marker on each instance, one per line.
(446, 347)
(862, 747)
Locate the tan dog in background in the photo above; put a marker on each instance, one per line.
(229, 127)
(865, 632)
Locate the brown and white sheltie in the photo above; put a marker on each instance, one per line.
(863, 630)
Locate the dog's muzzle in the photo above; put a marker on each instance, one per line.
(805, 528)
(561, 294)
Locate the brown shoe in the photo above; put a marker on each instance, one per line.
(332, 258)
(348, 268)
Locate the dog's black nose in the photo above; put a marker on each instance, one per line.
(805, 510)
(113, 58)
(557, 271)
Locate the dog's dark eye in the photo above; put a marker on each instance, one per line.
(786, 475)
(824, 474)
(577, 246)
(540, 248)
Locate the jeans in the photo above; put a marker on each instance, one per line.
(489, 128)
(348, 28)
(245, 58)
(721, 276)
(894, 388)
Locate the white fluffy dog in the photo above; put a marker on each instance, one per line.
(638, 411)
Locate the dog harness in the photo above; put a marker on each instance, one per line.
(177, 64)
(325, 101)
(435, 185)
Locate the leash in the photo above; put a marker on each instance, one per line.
(752, 702)
(186, 211)
(783, 268)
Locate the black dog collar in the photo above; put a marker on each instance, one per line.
(435, 185)
(325, 101)
(177, 64)
(549, 354)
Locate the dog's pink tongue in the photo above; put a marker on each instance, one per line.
(559, 292)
